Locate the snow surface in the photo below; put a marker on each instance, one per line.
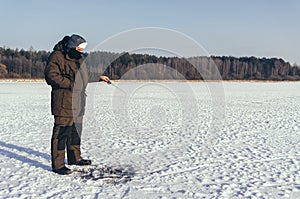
(167, 132)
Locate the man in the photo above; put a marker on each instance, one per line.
(68, 77)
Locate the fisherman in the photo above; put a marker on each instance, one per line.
(67, 75)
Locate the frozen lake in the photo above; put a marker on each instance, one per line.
(184, 140)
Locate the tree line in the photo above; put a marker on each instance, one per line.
(15, 63)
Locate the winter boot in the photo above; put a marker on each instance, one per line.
(82, 162)
(62, 171)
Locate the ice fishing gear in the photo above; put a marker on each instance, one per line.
(110, 83)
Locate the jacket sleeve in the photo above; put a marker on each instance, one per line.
(53, 74)
(95, 76)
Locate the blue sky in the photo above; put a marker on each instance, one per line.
(232, 27)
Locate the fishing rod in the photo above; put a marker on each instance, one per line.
(110, 83)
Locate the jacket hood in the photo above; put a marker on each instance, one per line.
(74, 41)
(61, 45)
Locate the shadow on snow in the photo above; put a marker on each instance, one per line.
(8, 153)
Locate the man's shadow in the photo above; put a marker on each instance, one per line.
(10, 147)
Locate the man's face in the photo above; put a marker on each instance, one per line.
(79, 49)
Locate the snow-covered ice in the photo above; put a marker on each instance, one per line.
(160, 129)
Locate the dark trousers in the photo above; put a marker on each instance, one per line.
(66, 133)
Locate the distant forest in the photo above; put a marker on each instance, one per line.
(15, 63)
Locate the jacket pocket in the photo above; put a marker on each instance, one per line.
(67, 100)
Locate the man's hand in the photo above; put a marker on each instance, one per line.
(104, 78)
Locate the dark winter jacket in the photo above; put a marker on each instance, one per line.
(68, 78)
